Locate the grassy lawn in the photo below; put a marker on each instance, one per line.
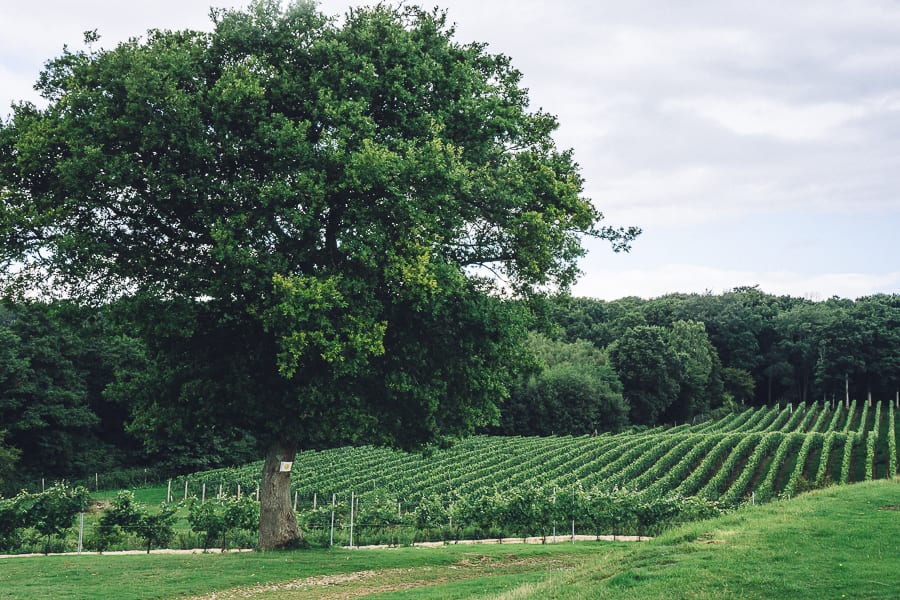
(311, 573)
(836, 543)
(843, 542)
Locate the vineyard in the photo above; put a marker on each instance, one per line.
(751, 456)
(631, 483)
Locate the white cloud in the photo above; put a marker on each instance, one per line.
(770, 117)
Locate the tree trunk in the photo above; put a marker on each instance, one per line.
(277, 521)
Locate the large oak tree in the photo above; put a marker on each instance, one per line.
(314, 218)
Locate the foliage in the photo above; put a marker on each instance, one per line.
(125, 515)
(8, 458)
(648, 369)
(12, 520)
(687, 561)
(217, 518)
(121, 514)
(56, 364)
(727, 458)
(771, 348)
(156, 529)
(53, 512)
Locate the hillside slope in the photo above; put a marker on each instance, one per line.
(757, 455)
(834, 543)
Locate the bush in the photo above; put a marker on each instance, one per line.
(216, 519)
(53, 512)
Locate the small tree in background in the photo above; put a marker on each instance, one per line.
(158, 528)
(53, 511)
(123, 513)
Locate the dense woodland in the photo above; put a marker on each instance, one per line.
(79, 394)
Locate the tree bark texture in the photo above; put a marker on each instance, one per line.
(277, 520)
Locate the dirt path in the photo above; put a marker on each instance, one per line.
(531, 540)
(345, 586)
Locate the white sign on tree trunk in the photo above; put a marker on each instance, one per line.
(285, 467)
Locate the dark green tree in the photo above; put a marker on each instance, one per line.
(573, 390)
(841, 363)
(738, 384)
(314, 220)
(121, 516)
(158, 528)
(8, 458)
(43, 397)
(699, 371)
(648, 368)
(879, 318)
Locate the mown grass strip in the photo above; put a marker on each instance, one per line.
(158, 576)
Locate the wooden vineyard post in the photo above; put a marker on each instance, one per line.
(185, 488)
(80, 531)
(203, 493)
(351, 519)
(315, 502)
(239, 492)
(169, 492)
(573, 514)
(331, 538)
(295, 501)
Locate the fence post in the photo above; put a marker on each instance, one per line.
(573, 513)
(169, 492)
(185, 487)
(331, 539)
(351, 519)
(80, 531)
(295, 500)
(239, 492)
(203, 493)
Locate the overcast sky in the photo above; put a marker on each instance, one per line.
(756, 143)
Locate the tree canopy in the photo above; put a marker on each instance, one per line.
(313, 220)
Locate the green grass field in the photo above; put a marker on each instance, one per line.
(841, 542)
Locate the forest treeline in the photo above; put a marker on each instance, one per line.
(680, 356)
(79, 394)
